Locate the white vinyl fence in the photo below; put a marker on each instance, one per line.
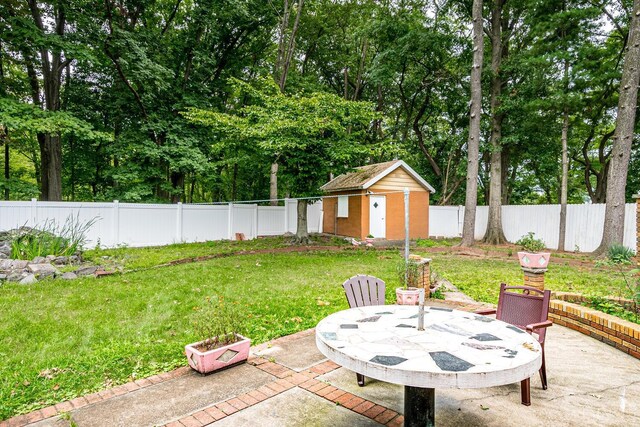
(137, 224)
(584, 224)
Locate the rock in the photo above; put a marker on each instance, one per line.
(30, 279)
(51, 257)
(86, 271)
(39, 260)
(3, 277)
(5, 264)
(61, 260)
(18, 264)
(3, 255)
(69, 276)
(5, 249)
(43, 270)
(15, 277)
(75, 259)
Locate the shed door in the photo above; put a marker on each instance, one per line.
(377, 215)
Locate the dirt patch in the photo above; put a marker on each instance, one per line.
(288, 249)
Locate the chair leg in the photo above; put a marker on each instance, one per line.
(543, 373)
(360, 378)
(525, 392)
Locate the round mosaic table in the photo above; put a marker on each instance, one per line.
(456, 349)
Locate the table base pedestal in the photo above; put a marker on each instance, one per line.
(419, 406)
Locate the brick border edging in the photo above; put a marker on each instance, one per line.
(287, 380)
(82, 401)
(618, 333)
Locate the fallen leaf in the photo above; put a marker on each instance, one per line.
(484, 408)
(26, 383)
(56, 387)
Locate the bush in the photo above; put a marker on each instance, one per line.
(28, 243)
(530, 244)
(620, 254)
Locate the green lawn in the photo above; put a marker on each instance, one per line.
(60, 339)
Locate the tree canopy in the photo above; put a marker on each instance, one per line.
(105, 100)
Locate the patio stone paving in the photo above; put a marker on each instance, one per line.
(296, 407)
(287, 382)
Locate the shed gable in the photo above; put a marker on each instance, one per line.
(399, 179)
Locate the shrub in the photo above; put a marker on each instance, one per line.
(620, 254)
(530, 244)
(216, 323)
(50, 239)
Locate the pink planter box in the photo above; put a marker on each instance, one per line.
(537, 260)
(409, 296)
(218, 358)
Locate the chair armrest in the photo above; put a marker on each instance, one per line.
(532, 327)
(486, 311)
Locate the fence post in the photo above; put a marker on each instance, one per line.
(255, 221)
(116, 223)
(34, 212)
(179, 223)
(286, 216)
(230, 219)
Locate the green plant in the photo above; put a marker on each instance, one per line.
(437, 294)
(620, 254)
(370, 236)
(51, 239)
(217, 323)
(408, 273)
(529, 243)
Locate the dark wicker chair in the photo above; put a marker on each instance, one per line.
(528, 310)
(362, 290)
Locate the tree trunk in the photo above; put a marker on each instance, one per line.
(292, 44)
(273, 184)
(494, 234)
(302, 233)
(473, 143)
(283, 62)
(4, 132)
(51, 66)
(6, 165)
(54, 167)
(622, 139)
(565, 178)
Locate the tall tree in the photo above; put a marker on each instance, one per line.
(52, 62)
(473, 143)
(499, 48)
(286, 49)
(623, 138)
(312, 133)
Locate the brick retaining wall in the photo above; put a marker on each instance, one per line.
(618, 333)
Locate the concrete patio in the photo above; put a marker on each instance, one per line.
(287, 382)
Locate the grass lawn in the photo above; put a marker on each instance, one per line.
(61, 339)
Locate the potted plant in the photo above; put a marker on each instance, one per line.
(532, 256)
(217, 323)
(369, 239)
(409, 275)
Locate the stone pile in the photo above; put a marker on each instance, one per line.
(28, 272)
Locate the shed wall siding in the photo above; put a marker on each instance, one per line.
(350, 226)
(397, 180)
(418, 215)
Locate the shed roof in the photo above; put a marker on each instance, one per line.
(364, 177)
